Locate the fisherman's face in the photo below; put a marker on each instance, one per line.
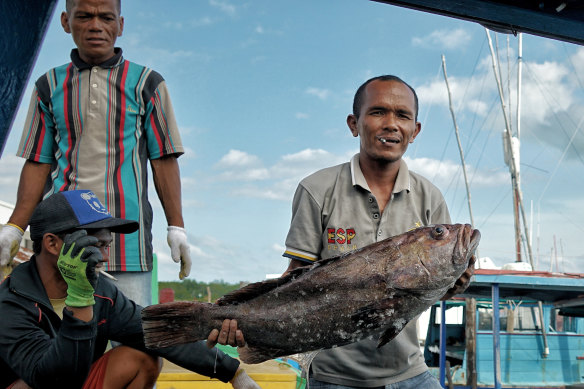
(95, 25)
(105, 240)
(387, 122)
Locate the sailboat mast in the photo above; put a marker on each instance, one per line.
(517, 175)
(513, 163)
(458, 140)
(519, 70)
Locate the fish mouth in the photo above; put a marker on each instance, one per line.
(467, 243)
(475, 238)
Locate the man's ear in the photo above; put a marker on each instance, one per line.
(121, 26)
(416, 131)
(352, 123)
(52, 243)
(65, 22)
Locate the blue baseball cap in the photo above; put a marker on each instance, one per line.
(73, 210)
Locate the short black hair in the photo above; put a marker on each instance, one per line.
(37, 244)
(358, 100)
(69, 4)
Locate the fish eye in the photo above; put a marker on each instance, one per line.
(438, 232)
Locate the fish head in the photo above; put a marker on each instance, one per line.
(433, 257)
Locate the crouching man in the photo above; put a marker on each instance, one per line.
(58, 313)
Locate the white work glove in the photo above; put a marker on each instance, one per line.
(242, 381)
(10, 237)
(179, 249)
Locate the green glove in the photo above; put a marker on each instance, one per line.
(77, 263)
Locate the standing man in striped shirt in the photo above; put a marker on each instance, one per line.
(93, 124)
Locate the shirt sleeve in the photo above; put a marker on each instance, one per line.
(304, 240)
(37, 140)
(160, 125)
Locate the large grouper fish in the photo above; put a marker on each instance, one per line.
(372, 291)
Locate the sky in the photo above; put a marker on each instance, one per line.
(261, 90)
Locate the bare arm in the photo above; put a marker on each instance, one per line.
(167, 183)
(30, 191)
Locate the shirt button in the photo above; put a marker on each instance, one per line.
(94, 70)
(93, 102)
(379, 233)
(94, 85)
(375, 216)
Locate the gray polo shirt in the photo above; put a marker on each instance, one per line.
(333, 212)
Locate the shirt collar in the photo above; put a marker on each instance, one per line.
(402, 181)
(110, 63)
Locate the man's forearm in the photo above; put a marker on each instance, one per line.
(30, 191)
(167, 183)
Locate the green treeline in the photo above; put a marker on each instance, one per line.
(190, 290)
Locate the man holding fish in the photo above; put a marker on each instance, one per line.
(370, 198)
(355, 307)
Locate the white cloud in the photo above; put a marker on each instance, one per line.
(139, 48)
(259, 29)
(223, 6)
(301, 115)
(545, 90)
(470, 94)
(241, 166)
(215, 259)
(577, 60)
(306, 155)
(10, 167)
(189, 153)
(237, 158)
(446, 39)
(322, 94)
(276, 182)
(192, 23)
(551, 102)
(442, 173)
(278, 248)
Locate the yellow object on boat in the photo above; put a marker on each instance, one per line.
(268, 375)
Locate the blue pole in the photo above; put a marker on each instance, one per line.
(443, 343)
(496, 339)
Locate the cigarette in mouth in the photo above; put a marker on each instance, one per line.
(108, 275)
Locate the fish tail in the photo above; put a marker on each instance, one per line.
(175, 323)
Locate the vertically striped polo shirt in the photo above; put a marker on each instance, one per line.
(98, 126)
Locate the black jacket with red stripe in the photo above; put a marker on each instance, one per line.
(47, 352)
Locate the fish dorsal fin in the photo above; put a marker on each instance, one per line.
(326, 261)
(255, 289)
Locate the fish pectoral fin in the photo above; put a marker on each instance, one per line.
(374, 314)
(387, 335)
(256, 289)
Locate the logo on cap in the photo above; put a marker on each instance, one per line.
(94, 202)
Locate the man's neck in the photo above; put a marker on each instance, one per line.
(381, 177)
